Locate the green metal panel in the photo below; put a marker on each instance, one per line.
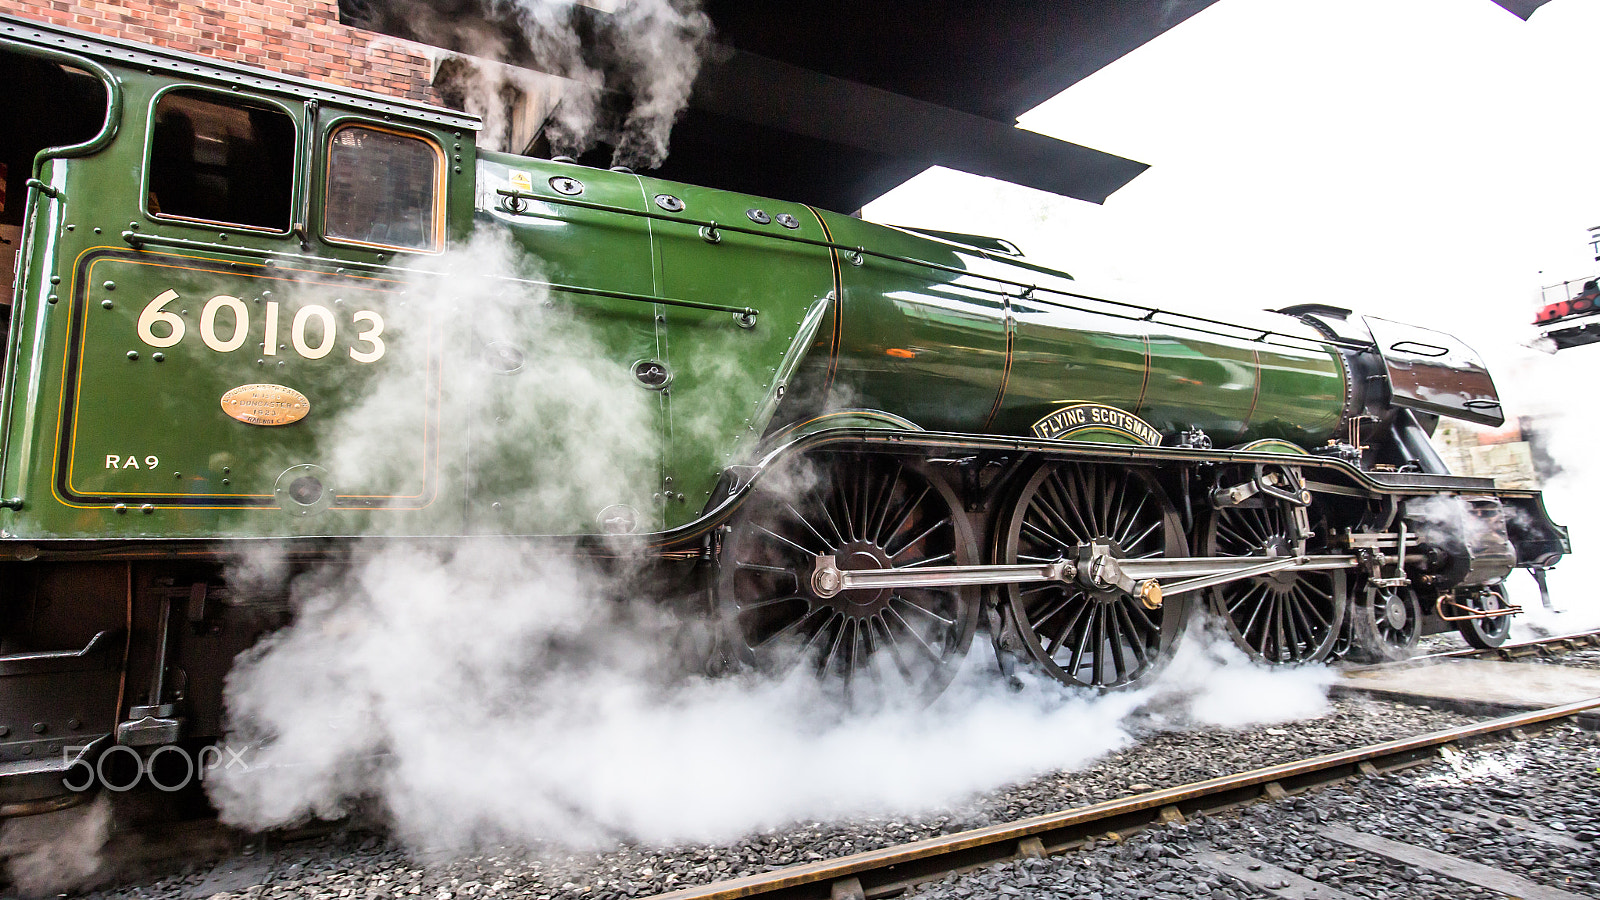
(457, 437)
(726, 372)
(913, 340)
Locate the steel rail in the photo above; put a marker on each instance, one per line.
(889, 871)
(1581, 640)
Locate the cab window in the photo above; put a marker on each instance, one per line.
(216, 160)
(384, 189)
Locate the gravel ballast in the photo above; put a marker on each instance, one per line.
(365, 864)
(1549, 781)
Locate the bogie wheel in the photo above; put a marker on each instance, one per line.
(869, 647)
(1084, 636)
(1485, 634)
(1385, 625)
(1281, 618)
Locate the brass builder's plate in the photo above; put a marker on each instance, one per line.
(265, 404)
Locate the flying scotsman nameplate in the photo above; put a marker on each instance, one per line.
(266, 404)
(1069, 420)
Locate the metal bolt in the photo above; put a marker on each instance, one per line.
(40, 728)
(120, 508)
(158, 356)
(107, 304)
(55, 279)
(133, 354)
(97, 231)
(51, 299)
(226, 481)
(110, 285)
(147, 509)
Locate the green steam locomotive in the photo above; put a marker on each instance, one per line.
(253, 314)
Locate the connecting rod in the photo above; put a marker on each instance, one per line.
(1096, 568)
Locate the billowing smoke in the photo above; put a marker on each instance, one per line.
(482, 691)
(614, 73)
(57, 851)
(487, 696)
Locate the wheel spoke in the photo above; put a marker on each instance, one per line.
(926, 647)
(922, 609)
(875, 532)
(940, 523)
(776, 536)
(822, 541)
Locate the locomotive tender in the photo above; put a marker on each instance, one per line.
(863, 441)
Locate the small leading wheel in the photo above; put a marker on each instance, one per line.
(1281, 618)
(1385, 625)
(1485, 634)
(868, 512)
(1081, 635)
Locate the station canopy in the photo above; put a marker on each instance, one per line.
(836, 102)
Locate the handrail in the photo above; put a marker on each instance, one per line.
(139, 240)
(1027, 291)
(99, 141)
(49, 655)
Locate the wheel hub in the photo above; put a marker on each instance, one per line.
(861, 603)
(1395, 614)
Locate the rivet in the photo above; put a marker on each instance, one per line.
(74, 724)
(120, 508)
(133, 226)
(147, 509)
(261, 362)
(110, 285)
(222, 237)
(55, 279)
(158, 356)
(51, 299)
(495, 505)
(40, 728)
(27, 751)
(5, 730)
(97, 230)
(177, 474)
(106, 304)
(133, 354)
(458, 170)
(72, 228)
(226, 481)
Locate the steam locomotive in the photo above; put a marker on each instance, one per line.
(852, 446)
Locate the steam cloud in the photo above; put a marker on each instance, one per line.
(483, 692)
(626, 74)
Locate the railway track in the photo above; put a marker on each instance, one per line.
(1539, 647)
(891, 871)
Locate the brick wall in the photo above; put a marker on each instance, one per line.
(301, 38)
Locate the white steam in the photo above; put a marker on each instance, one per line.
(621, 75)
(57, 851)
(488, 695)
(481, 692)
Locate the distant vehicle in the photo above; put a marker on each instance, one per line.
(1567, 309)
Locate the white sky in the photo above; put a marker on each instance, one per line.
(1423, 160)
